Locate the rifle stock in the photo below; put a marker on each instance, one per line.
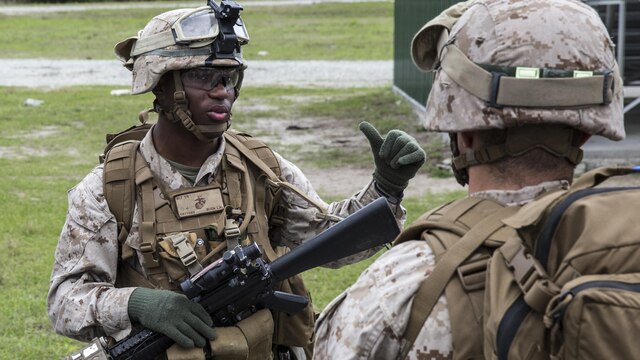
(373, 225)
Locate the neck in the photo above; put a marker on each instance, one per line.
(484, 177)
(174, 142)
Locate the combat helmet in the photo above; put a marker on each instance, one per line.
(512, 65)
(209, 36)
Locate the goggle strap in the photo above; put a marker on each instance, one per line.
(181, 52)
(501, 90)
(153, 42)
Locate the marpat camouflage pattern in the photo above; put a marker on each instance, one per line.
(368, 319)
(83, 302)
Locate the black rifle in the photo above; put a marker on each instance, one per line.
(240, 283)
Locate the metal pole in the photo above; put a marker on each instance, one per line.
(622, 18)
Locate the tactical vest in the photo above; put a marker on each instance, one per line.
(546, 280)
(182, 231)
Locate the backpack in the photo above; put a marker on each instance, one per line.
(557, 278)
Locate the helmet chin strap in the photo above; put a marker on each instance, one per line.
(461, 174)
(180, 113)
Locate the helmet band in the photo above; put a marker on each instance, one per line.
(527, 88)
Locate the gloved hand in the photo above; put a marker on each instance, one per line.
(397, 157)
(172, 314)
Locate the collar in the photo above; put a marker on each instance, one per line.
(524, 195)
(168, 175)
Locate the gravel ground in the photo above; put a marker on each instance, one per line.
(29, 9)
(51, 73)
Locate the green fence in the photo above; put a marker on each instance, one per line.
(410, 15)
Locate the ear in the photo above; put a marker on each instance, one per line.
(465, 141)
(163, 92)
(159, 90)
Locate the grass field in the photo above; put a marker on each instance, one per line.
(357, 31)
(46, 150)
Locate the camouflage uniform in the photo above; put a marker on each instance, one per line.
(491, 38)
(368, 319)
(83, 302)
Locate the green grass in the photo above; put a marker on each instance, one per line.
(46, 150)
(340, 110)
(358, 31)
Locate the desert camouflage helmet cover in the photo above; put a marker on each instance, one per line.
(486, 35)
(149, 66)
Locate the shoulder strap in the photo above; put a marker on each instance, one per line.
(433, 286)
(258, 153)
(442, 218)
(136, 132)
(119, 184)
(597, 176)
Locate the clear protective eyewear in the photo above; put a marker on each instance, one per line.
(199, 25)
(202, 24)
(207, 78)
(197, 28)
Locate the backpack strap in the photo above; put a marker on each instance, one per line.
(432, 287)
(424, 222)
(596, 176)
(119, 186)
(256, 151)
(136, 132)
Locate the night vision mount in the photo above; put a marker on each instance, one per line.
(232, 30)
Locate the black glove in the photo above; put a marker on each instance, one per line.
(172, 314)
(397, 157)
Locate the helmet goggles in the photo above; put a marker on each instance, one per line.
(207, 78)
(194, 29)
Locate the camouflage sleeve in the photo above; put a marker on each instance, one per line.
(82, 301)
(302, 221)
(368, 319)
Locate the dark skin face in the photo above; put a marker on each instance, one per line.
(209, 107)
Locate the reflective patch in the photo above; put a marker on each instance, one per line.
(527, 72)
(580, 73)
(90, 350)
(200, 202)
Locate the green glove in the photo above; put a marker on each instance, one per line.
(172, 314)
(397, 157)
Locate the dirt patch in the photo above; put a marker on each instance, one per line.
(346, 181)
(308, 141)
(21, 152)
